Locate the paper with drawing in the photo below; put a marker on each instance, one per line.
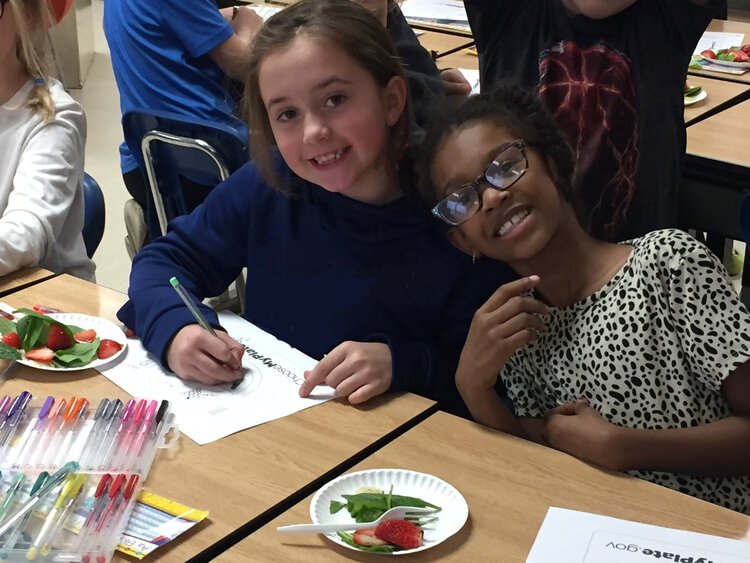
(274, 372)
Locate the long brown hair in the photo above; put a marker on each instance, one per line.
(345, 24)
(31, 18)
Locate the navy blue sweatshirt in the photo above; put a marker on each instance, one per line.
(321, 269)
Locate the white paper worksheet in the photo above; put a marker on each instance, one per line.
(274, 373)
(569, 536)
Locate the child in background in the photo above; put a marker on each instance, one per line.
(633, 356)
(340, 263)
(611, 72)
(42, 139)
(422, 75)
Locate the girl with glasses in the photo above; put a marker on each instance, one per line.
(42, 136)
(340, 262)
(633, 356)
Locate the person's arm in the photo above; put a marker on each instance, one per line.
(714, 341)
(717, 449)
(48, 175)
(501, 326)
(231, 55)
(597, 9)
(205, 250)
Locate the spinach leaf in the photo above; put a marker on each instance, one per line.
(6, 326)
(335, 506)
(348, 538)
(366, 507)
(80, 354)
(8, 352)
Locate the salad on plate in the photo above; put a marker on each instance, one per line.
(368, 504)
(48, 341)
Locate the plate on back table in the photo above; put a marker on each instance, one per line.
(451, 518)
(104, 329)
(699, 97)
(725, 63)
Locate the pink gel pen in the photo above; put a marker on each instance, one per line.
(130, 435)
(133, 453)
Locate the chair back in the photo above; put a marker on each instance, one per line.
(93, 214)
(169, 146)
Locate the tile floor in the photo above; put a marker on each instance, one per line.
(100, 99)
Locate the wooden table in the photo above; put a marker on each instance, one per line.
(509, 484)
(439, 44)
(721, 95)
(247, 478)
(726, 26)
(23, 278)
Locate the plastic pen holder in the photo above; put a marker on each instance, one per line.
(60, 526)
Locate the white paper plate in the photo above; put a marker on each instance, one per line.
(726, 63)
(690, 100)
(104, 329)
(429, 488)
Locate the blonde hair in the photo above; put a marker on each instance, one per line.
(31, 49)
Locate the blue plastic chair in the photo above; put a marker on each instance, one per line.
(167, 146)
(93, 214)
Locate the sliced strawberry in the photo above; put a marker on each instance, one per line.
(7, 315)
(129, 332)
(41, 355)
(44, 309)
(402, 533)
(367, 537)
(108, 348)
(85, 335)
(57, 339)
(12, 339)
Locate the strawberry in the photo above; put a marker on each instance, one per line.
(709, 54)
(85, 335)
(57, 339)
(402, 533)
(7, 315)
(367, 537)
(108, 348)
(12, 339)
(41, 355)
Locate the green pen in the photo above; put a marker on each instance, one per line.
(15, 486)
(13, 537)
(49, 484)
(175, 283)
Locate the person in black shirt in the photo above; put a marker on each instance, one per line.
(612, 73)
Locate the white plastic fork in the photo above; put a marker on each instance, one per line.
(396, 513)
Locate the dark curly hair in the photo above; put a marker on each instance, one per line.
(514, 108)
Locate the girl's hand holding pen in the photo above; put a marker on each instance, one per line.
(212, 359)
(506, 322)
(357, 370)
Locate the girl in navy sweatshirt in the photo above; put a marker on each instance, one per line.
(340, 262)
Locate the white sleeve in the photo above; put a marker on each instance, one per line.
(49, 172)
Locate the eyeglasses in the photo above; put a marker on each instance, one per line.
(504, 171)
